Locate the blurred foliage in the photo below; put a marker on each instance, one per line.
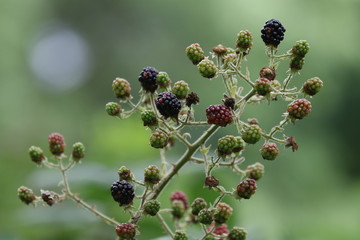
(312, 194)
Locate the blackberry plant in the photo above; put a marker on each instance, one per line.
(169, 115)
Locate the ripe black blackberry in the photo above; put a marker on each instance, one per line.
(122, 192)
(272, 33)
(168, 104)
(147, 79)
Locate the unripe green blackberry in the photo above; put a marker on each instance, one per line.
(267, 72)
(299, 108)
(222, 213)
(197, 205)
(78, 151)
(56, 144)
(36, 154)
(125, 174)
(121, 88)
(226, 145)
(205, 216)
(158, 139)
(152, 207)
(163, 80)
(126, 231)
(219, 50)
(26, 195)
(312, 86)
(219, 114)
(180, 236)
(273, 33)
(113, 108)
(180, 89)
(239, 145)
(151, 175)
(301, 48)
(246, 188)
(244, 41)
(255, 171)
(178, 195)
(269, 151)
(262, 86)
(195, 53)
(229, 59)
(296, 63)
(251, 134)
(237, 233)
(149, 118)
(191, 99)
(178, 208)
(207, 68)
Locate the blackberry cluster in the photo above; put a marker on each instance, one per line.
(246, 188)
(205, 216)
(121, 88)
(147, 79)
(152, 207)
(126, 231)
(56, 144)
(180, 236)
(122, 192)
(262, 86)
(237, 234)
(168, 104)
(219, 114)
(36, 154)
(223, 213)
(269, 151)
(78, 151)
(207, 68)
(163, 80)
(255, 171)
(180, 89)
(149, 118)
(251, 133)
(299, 108)
(197, 205)
(273, 32)
(113, 108)
(178, 195)
(312, 86)
(151, 175)
(195, 53)
(26, 195)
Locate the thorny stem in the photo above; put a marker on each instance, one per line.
(287, 80)
(207, 233)
(165, 225)
(163, 162)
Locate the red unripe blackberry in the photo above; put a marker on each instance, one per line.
(207, 68)
(262, 86)
(211, 182)
(205, 216)
(237, 233)
(195, 53)
(147, 79)
(272, 33)
(121, 88)
(26, 195)
(178, 195)
(152, 207)
(219, 114)
(246, 188)
(56, 144)
(221, 230)
(126, 231)
(312, 86)
(168, 104)
(269, 151)
(267, 72)
(36, 154)
(222, 213)
(251, 134)
(78, 151)
(197, 205)
(255, 171)
(299, 108)
(122, 192)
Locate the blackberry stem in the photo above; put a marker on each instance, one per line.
(165, 225)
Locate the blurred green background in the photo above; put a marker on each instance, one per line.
(58, 60)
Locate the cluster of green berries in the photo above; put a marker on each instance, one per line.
(26, 195)
(180, 236)
(163, 80)
(312, 86)
(244, 41)
(262, 86)
(159, 139)
(299, 50)
(197, 205)
(251, 133)
(195, 53)
(36, 154)
(299, 108)
(152, 207)
(149, 118)
(255, 171)
(222, 213)
(151, 175)
(180, 89)
(125, 174)
(113, 108)
(121, 88)
(207, 68)
(230, 144)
